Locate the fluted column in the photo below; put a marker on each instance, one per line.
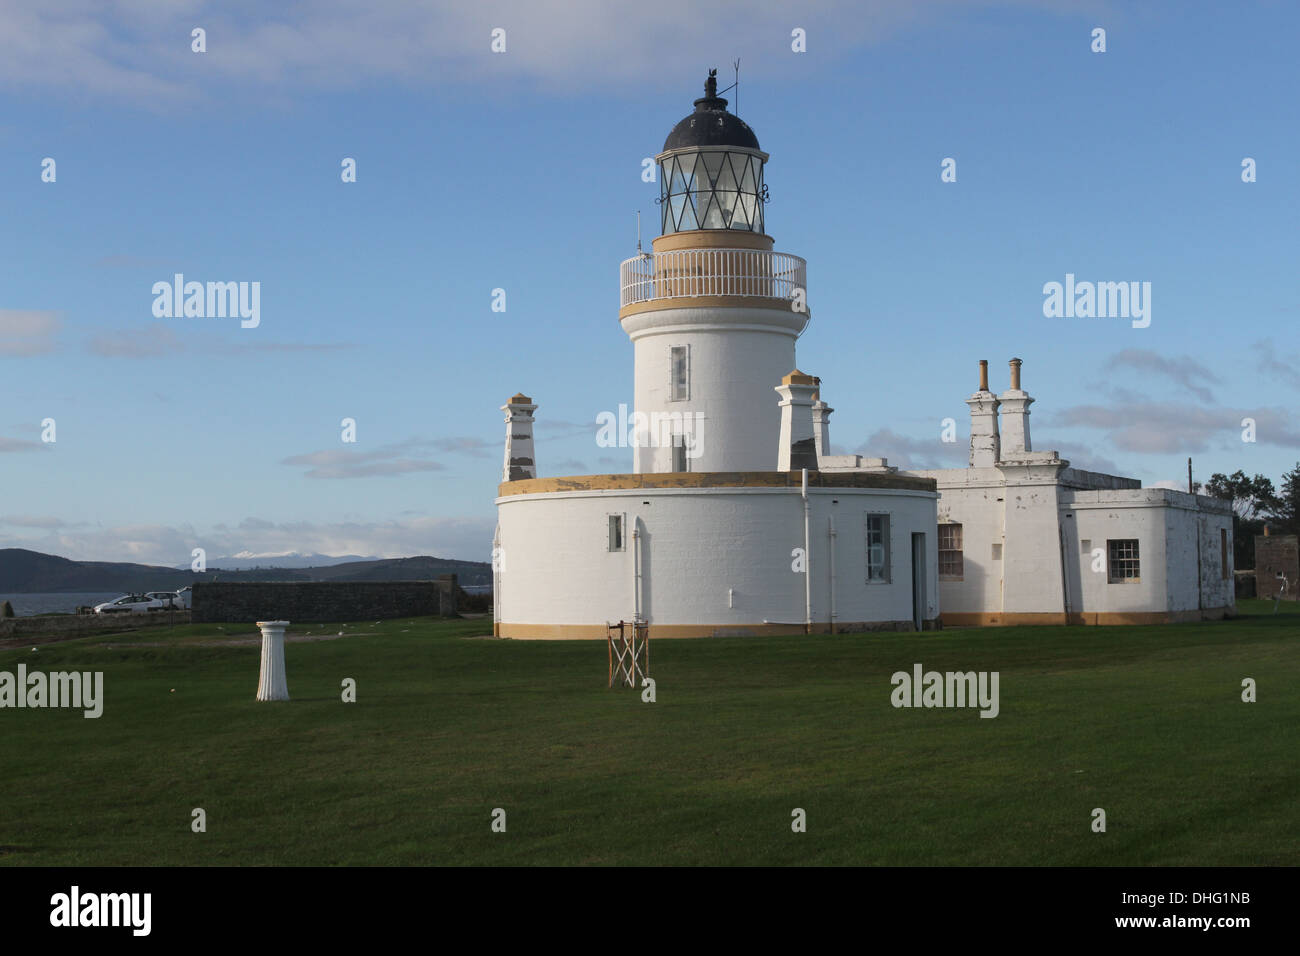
(271, 685)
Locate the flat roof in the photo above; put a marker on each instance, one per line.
(715, 479)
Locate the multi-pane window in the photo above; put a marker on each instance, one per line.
(680, 373)
(877, 548)
(615, 532)
(950, 557)
(711, 189)
(1122, 560)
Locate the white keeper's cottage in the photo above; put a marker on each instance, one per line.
(736, 520)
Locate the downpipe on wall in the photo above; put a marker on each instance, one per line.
(636, 569)
(807, 560)
(830, 563)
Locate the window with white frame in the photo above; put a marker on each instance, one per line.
(680, 372)
(615, 532)
(1122, 560)
(877, 548)
(950, 552)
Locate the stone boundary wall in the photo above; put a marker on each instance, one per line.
(81, 625)
(294, 601)
(1274, 553)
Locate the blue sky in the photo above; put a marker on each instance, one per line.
(522, 170)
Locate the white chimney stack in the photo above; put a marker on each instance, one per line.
(798, 444)
(985, 443)
(520, 460)
(821, 415)
(1015, 404)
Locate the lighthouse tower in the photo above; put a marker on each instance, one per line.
(713, 312)
(733, 520)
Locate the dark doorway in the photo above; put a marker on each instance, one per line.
(918, 580)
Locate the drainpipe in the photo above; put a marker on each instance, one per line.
(807, 558)
(830, 557)
(636, 569)
(496, 582)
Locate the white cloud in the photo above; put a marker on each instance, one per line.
(386, 461)
(163, 340)
(18, 444)
(1184, 371)
(465, 538)
(155, 340)
(1170, 427)
(1079, 456)
(475, 447)
(140, 49)
(25, 332)
(919, 453)
(1272, 362)
(31, 521)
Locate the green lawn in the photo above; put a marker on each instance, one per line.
(1145, 722)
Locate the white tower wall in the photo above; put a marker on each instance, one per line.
(735, 357)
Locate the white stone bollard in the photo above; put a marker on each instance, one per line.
(271, 685)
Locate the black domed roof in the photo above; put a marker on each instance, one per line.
(711, 124)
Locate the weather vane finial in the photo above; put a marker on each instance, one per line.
(711, 84)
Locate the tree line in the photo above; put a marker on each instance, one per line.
(1256, 503)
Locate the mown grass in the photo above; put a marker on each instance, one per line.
(1144, 722)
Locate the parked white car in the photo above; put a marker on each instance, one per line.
(128, 604)
(165, 599)
(184, 597)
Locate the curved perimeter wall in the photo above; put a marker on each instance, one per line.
(711, 554)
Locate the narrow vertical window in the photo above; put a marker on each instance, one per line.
(680, 374)
(950, 552)
(877, 548)
(615, 532)
(1223, 552)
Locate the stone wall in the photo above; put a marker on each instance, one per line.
(82, 625)
(323, 600)
(1274, 553)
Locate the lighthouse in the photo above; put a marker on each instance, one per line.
(713, 311)
(733, 520)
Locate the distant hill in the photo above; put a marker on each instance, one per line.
(30, 572)
(247, 560)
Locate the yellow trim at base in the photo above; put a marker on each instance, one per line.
(1086, 618)
(598, 632)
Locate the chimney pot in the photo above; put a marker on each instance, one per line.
(519, 459)
(798, 442)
